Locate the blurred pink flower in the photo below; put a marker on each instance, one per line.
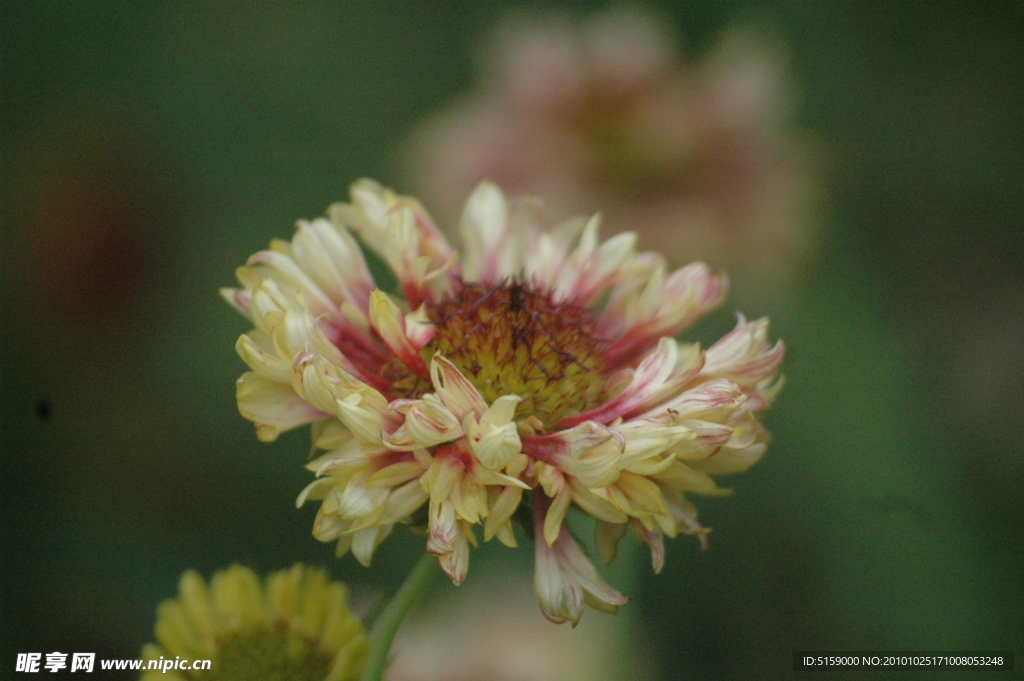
(599, 112)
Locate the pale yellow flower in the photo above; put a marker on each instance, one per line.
(532, 372)
(294, 626)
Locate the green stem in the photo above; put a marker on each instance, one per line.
(388, 622)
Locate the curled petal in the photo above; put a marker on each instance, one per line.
(456, 563)
(648, 443)
(661, 375)
(359, 500)
(388, 321)
(455, 390)
(636, 495)
(428, 422)
(403, 502)
(444, 528)
(404, 252)
(560, 599)
(495, 448)
(500, 413)
(418, 327)
(718, 401)
(745, 357)
(447, 540)
(237, 298)
(362, 409)
(564, 579)
(555, 515)
(469, 498)
(590, 452)
(334, 261)
(641, 312)
(443, 475)
(311, 380)
(727, 460)
(329, 527)
(283, 269)
(273, 407)
(399, 229)
(317, 489)
(547, 251)
(690, 293)
(594, 504)
(267, 364)
(300, 332)
(590, 269)
(366, 541)
(365, 424)
(502, 508)
(495, 438)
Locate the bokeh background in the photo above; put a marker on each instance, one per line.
(148, 149)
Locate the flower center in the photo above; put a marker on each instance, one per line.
(270, 653)
(512, 339)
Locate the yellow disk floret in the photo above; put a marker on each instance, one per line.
(512, 339)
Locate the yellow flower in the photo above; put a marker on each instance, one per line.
(534, 371)
(294, 627)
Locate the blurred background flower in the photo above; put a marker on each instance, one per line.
(888, 514)
(599, 110)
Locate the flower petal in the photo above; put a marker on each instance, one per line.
(641, 312)
(388, 321)
(455, 390)
(564, 579)
(273, 407)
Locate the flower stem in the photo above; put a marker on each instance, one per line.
(388, 622)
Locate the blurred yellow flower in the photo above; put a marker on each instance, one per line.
(295, 626)
(533, 371)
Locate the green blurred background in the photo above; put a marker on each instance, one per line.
(149, 148)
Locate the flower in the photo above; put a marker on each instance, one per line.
(600, 113)
(532, 372)
(294, 627)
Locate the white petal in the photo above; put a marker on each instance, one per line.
(387, 319)
(483, 228)
(455, 390)
(273, 407)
